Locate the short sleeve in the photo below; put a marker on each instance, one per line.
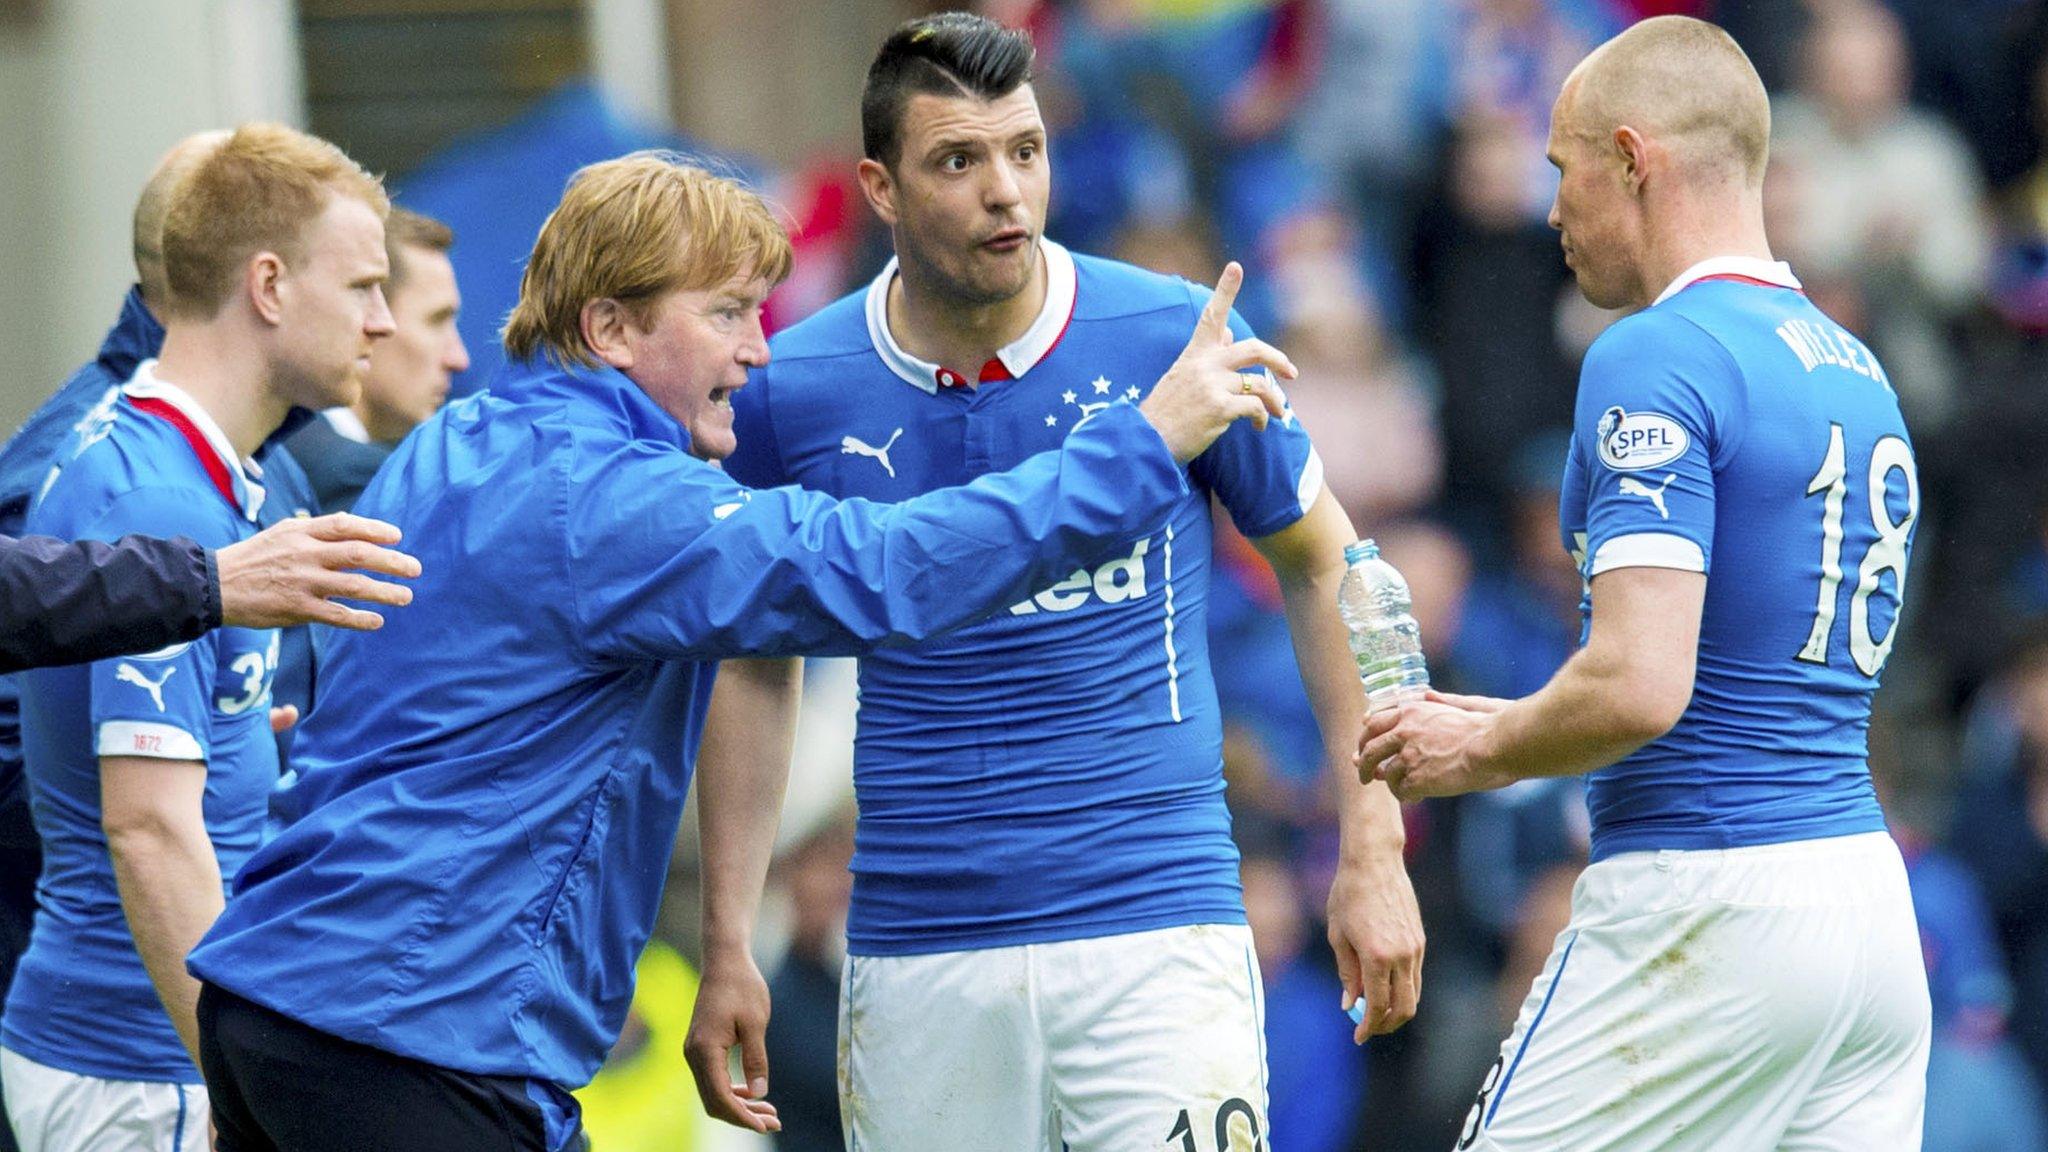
(1267, 479)
(156, 704)
(1656, 398)
(757, 462)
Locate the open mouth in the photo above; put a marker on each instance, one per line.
(721, 397)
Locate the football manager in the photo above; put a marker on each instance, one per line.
(442, 946)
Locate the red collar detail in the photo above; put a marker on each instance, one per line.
(216, 468)
(991, 372)
(994, 369)
(1738, 278)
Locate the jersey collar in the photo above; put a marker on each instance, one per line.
(233, 476)
(1776, 273)
(1019, 357)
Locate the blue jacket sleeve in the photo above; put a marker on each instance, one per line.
(69, 603)
(669, 558)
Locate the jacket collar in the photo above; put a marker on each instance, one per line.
(136, 336)
(606, 390)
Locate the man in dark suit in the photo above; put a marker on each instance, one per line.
(409, 370)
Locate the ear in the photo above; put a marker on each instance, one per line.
(879, 187)
(263, 281)
(1634, 152)
(607, 332)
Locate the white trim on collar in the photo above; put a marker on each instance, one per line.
(1018, 357)
(1769, 271)
(346, 424)
(147, 385)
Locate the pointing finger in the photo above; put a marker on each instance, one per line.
(1215, 321)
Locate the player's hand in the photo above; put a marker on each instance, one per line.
(1468, 703)
(291, 573)
(732, 1011)
(283, 718)
(1425, 748)
(1217, 379)
(1376, 932)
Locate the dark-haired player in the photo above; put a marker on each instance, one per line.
(1048, 940)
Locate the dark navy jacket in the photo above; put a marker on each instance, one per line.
(64, 603)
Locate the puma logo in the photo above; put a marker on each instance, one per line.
(129, 674)
(1630, 486)
(855, 446)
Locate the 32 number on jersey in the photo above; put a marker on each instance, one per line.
(256, 670)
(1886, 554)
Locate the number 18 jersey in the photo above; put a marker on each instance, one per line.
(1733, 429)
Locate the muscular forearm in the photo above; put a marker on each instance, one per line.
(1587, 717)
(1368, 816)
(742, 772)
(170, 886)
(1628, 686)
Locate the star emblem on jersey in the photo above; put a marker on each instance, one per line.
(855, 446)
(1630, 486)
(1072, 399)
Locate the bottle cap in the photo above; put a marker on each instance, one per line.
(1362, 550)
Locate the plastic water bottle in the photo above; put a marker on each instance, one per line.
(1385, 639)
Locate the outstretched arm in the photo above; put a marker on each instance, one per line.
(720, 570)
(1628, 686)
(66, 603)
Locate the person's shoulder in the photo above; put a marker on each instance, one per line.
(42, 435)
(116, 447)
(839, 329)
(1674, 331)
(1106, 289)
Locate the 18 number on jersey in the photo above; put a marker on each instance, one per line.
(1886, 554)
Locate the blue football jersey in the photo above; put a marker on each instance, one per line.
(1733, 429)
(1054, 772)
(148, 460)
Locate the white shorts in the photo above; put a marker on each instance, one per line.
(1145, 1041)
(57, 1111)
(1737, 1000)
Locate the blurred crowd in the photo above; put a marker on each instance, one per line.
(1379, 167)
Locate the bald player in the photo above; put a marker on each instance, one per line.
(1742, 969)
